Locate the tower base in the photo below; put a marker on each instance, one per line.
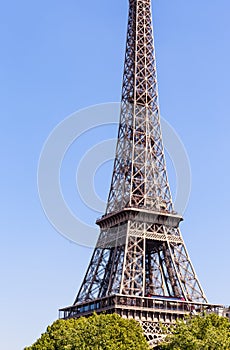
(155, 314)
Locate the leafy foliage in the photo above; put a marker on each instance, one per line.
(208, 332)
(97, 332)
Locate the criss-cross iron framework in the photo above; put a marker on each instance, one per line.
(140, 266)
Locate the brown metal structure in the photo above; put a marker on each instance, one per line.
(140, 266)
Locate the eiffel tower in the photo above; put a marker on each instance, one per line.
(140, 267)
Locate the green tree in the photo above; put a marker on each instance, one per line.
(208, 332)
(97, 332)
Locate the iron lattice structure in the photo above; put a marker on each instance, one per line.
(140, 252)
(140, 249)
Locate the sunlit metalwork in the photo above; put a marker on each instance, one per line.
(140, 254)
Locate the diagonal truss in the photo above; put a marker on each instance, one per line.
(139, 176)
(140, 251)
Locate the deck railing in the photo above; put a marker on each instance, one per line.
(160, 304)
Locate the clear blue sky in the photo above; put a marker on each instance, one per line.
(57, 57)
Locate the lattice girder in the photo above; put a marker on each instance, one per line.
(140, 258)
(140, 253)
(139, 177)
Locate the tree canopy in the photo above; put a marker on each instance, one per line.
(97, 332)
(208, 332)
